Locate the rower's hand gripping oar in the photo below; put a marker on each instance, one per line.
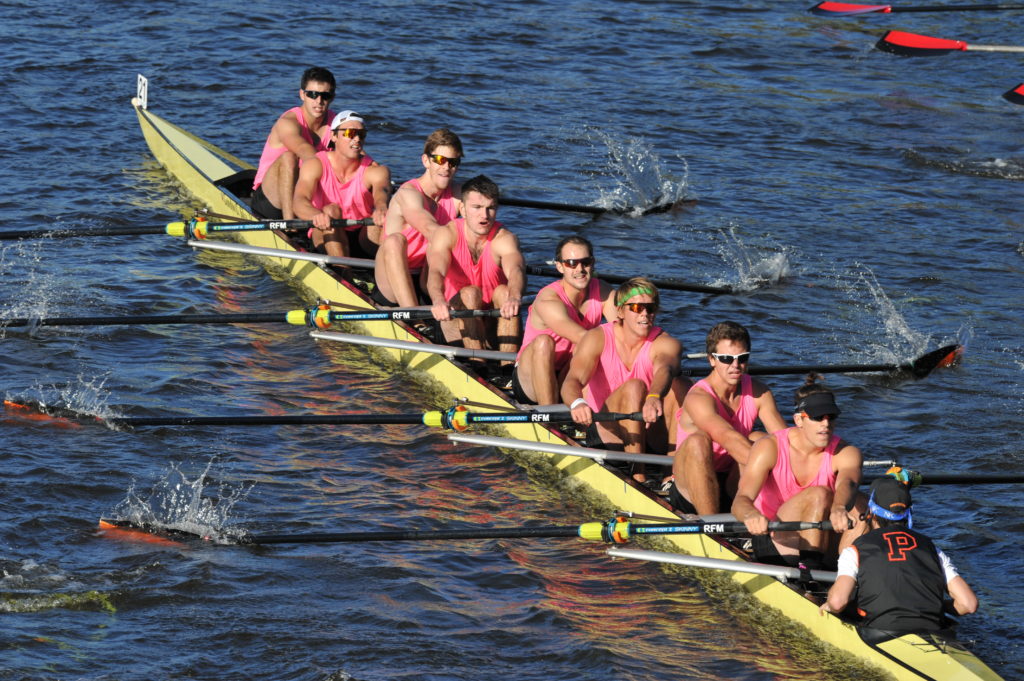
(614, 531)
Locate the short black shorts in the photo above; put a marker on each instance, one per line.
(682, 504)
(381, 300)
(517, 389)
(263, 208)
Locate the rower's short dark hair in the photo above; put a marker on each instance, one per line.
(727, 331)
(481, 184)
(319, 74)
(442, 137)
(573, 239)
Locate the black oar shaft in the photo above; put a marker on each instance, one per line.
(551, 205)
(241, 318)
(667, 284)
(413, 535)
(954, 8)
(297, 419)
(67, 233)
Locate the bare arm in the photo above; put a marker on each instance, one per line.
(847, 465)
(581, 368)
(763, 456)
(964, 600)
(302, 201)
(767, 411)
(439, 258)
(839, 595)
(378, 181)
(703, 411)
(512, 264)
(290, 135)
(666, 353)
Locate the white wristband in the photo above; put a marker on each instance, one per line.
(577, 402)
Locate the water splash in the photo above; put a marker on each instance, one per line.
(641, 178)
(23, 265)
(84, 397)
(1000, 168)
(755, 266)
(197, 505)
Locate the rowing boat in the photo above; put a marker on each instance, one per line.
(210, 174)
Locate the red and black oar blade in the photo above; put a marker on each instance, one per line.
(914, 45)
(125, 531)
(845, 9)
(945, 356)
(1016, 95)
(35, 414)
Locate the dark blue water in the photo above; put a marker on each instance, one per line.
(870, 204)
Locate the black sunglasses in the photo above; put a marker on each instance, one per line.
(316, 94)
(573, 263)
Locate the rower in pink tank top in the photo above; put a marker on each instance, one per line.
(593, 313)
(463, 271)
(271, 154)
(781, 484)
(611, 371)
(354, 199)
(444, 211)
(742, 420)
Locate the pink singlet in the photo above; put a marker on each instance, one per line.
(354, 199)
(742, 420)
(611, 371)
(271, 154)
(781, 484)
(462, 271)
(593, 313)
(444, 211)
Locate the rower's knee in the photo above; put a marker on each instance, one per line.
(697, 449)
(472, 297)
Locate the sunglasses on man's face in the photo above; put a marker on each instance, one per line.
(818, 419)
(316, 94)
(352, 132)
(729, 359)
(637, 308)
(573, 263)
(444, 160)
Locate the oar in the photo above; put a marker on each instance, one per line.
(455, 418)
(668, 284)
(591, 210)
(1015, 95)
(317, 317)
(919, 478)
(922, 366)
(843, 9)
(616, 531)
(777, 571)
(193, 229)
(914, 45)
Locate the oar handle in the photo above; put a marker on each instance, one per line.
(200, 229)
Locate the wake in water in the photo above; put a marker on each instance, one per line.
(1000, 168)
(642, 180)
(198, 505)
(756, 266)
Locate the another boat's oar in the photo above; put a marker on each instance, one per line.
(777, 571)
(317, 317)
(844, 9)
(193, 229)
(664, 284)
(914, 45)
(922, 366)
(456, 418)
(615, 531)
(921, 478)
(1015, 95)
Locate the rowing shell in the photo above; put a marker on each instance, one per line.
(206, 171)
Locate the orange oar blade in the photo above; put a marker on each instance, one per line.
(844, 9)
(21, 412)
(133, 534)
(914, 45)
(1016, 95)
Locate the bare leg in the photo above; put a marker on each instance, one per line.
(279, 183)
(508, 329)
(695, 474)
(392, 275)
(537, 370)
(474, 333)
(812, 505)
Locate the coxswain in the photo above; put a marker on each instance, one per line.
(344, 182)
(802, 473)
(561, 313)
(474, 263)
(298, 134)
(715, 425)
(627, 365)
(896, 575)
(416, 211)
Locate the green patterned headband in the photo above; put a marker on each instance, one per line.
(638, 290)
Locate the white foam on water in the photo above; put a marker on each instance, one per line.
(756, 265)
(641, 179)
(195, 504)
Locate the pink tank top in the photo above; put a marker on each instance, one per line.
(611, 371)
(271, 154)
(444, 211)
(354, 199)
(742, 420)
(593, 313)
(462, 271)
(781, 484)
